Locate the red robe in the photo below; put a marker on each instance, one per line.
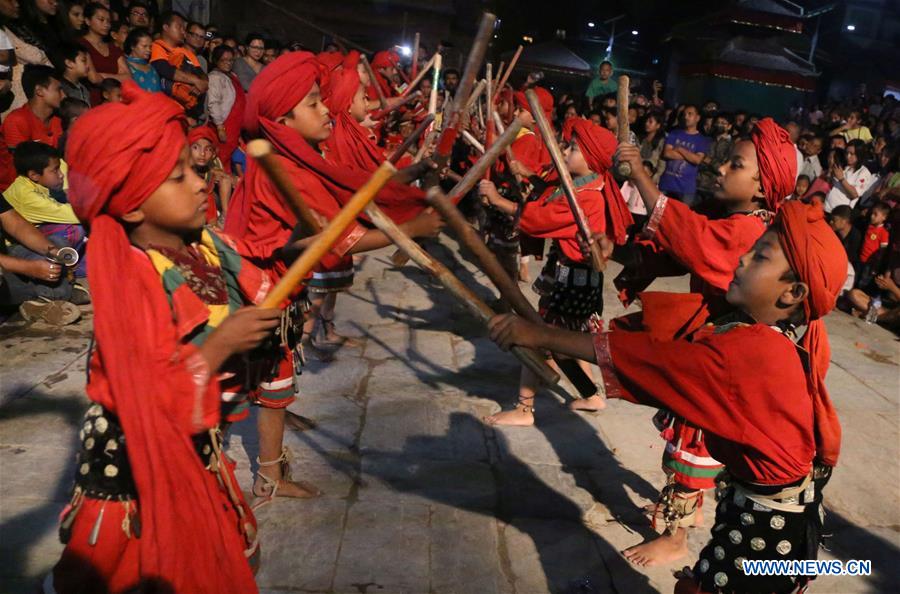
(550, 216)
(745, 386)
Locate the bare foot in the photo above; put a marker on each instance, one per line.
(262, 489)
(521, 416)
(590, 404)
(661, 551)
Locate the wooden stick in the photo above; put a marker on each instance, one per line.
(420, 76)
(414, 68)
(509, 289)
(327, 238)
(407, 99)
(512, 65)
(476, 171)
(565, 179)
(432, 100)
(476, 93)
(472, 141)
(489, 106)
(411, 139)
(381, 100)
(261, 150)
(498, 76)
(466, 296)
(624, 132)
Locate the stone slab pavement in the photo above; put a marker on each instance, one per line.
(421, 497)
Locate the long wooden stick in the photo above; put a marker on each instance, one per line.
(420, 76)
(565, 179)
(261, 150)
(489, 106)
(476, 93)
(327, 238)
(414, 67)
(381, 100)
(509, 289)
(465, 295)
(411, 139)
(472, 141)
(432, 100)
(407, 99)
(623, 132)
(509, 69)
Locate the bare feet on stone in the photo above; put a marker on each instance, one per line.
(593, 403)
(661, 551)
(521, 416)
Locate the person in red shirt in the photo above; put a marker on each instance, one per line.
(877, 236)
(759, 395)
(36, 120)
(750, 187)
(576, 289)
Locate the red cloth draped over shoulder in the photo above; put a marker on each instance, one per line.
(118, 155)
(384, 59)
(598, 146)
(350, 144)
(816, 256)
(277, 89)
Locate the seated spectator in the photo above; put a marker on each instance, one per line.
(876, 237)
(852, 181)
(38, 169)
(800, 188)
(814, 197)
(36, 120)
(271, 53)
(854, 129)
(225, 103)
(111, 90)
(29, 279)
(69, 111)
(119, 33)
(39, 16)
(138, 15)
(137, 54)
(29, 50)
(811, 166)
(195, 39)
(178, 66)
(106, 60)
(248, 66)
(851, 238)
(73, 63)
(70, 19)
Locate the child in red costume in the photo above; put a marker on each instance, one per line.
(156, 501)
(285, 107)
(576, 290)
(760, 398)
(750, 188)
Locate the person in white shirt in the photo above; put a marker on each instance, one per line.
(811, 166)
(852, 181)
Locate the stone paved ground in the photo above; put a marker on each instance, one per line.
(420, 497)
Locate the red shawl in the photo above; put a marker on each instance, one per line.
(118, 155)
(816, 256)
(277, 89)
(350, 144)
(598, 146)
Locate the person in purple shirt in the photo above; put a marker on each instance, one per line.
(685, 149)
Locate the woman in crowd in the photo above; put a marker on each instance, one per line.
(225, 102)
(851, 182)
(39, 15)
(70, 19)
(653, 143)
(137, 51)
(28, 47)
(107, 61)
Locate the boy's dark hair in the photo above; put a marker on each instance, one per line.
(219, 52)
(93, 8)
(134, 37)
(605, 62)
(841, 212)
(71, 108)
(820, 196)
(33, 156)
(68, 52)
(35, 76)
(110, 84)
(168, 17)
(803, 176)
(882, 206)
(251, 37)
(195, 24)
(725, 116)
(450, 71)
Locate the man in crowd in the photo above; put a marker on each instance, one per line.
(603, 84)
(685, 150)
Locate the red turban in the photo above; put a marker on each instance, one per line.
(598, 146)
(330, 60)
(275, 91)
(203, 133)
(777, 158)
(386, 59)
(544, 98)
(350, 144)
(118, 155)
(818, 259)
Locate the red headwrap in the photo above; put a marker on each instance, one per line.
(275, 91)
(330, 60)
(598, 146)
(385, 59)
(777, 158)
(818, 259)
(118, 155)
(350, 144)
(203, 133)
(544, 98)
